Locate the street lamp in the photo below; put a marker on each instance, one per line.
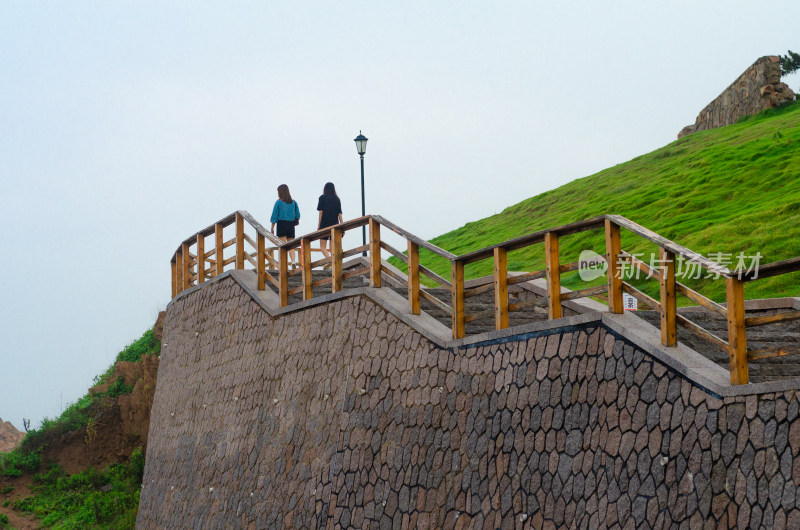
(361, 146)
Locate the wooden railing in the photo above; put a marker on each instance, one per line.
(269, 257)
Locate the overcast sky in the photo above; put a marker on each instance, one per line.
(125, 127)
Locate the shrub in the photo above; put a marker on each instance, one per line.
(74, 417)
(118, 388)
(16, 462)
(790, 62)
(145, 345)
(78, 501)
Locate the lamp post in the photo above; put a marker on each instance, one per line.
(361, 146)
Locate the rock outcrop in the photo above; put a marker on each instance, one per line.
(758, 88)
(10, 437)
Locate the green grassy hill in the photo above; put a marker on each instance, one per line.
(729, 190)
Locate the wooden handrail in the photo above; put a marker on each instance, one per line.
(671, 246)
(227, 221)
(325, 232)
(421, 243)
(531, 239)
(773, 269)
(188, 269)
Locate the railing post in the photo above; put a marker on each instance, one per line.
(374, 253)
(737, 335)
(613, 249)
(457, 290)
(305, 261)
(239, 241)
(174, 268)
(179, 271)
(669, 306)
(413, 277)
(500, 288)
(336, 260)
(283, 276)
(220, 254)
(261, 257)
(201, 259)
(187, 258)
(553, 275)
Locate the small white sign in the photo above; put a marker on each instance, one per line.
(629, 303)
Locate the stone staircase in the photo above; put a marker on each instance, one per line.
(483, 303)
(475, 304)
(769, 336)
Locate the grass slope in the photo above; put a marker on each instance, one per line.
(728, 190)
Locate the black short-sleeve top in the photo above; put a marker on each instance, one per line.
(331, 207)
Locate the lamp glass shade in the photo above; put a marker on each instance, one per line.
(361, 143)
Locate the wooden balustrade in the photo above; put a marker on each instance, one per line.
(305, 261)
(283, 276)
(374, 253)
(188, 269)
(613, 273)
(737, 337)
(337, 281)
(413, 278)
(457, 291)
(669, 303)
(553, 275)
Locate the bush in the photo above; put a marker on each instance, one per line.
(16, 462)
(3, 520)
(790, 62)
(145, 345)
(118, 388)
(78, 501)
(74, 417)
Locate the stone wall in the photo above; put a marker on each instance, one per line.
(758, 88)
(342, 415)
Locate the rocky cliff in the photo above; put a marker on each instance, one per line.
(9, 436)
(758, 88)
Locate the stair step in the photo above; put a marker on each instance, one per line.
(771, 336)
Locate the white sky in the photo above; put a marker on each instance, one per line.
(126, 127)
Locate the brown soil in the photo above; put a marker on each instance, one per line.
(21, 489)
(118, 426)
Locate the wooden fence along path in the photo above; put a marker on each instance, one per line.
(192, 264)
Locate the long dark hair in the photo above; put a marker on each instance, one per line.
(283, 194)
(329, 189)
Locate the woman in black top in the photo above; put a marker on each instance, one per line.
(330, 213)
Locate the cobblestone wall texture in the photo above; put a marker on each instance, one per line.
(758, 88)
(343, 416)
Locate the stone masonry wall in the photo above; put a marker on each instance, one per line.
(341, 415)
(758, 88)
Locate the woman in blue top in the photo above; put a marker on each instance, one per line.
(286, 215)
